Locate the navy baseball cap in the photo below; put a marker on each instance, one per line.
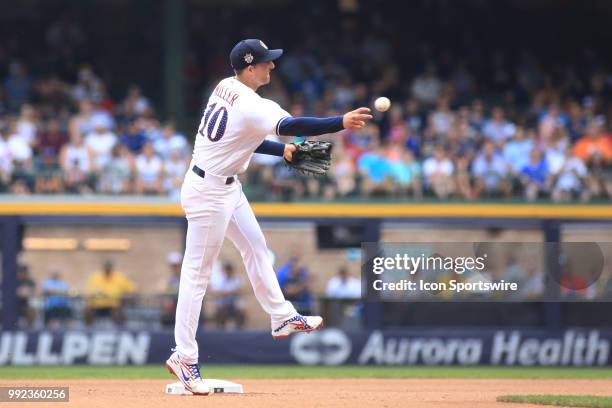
(250, 52)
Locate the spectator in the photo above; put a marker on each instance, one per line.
(175, 166)
(426, 87)
(27, 126)
(375, 171)
(52, 139)
(57, 306)
(517, 150)
(135, 104)
(171, 141)
(535, 176)
(343, 286)
(442, 119)
(105, 293)
(134, 138)
(438, 173)
(6, 162)
(149, 172)
(100, 141)
(26, 289)
(498, 129)
(49, 176)
(77, 163)
(490, 171)
(296, 287)
(568, 177)
(117, 175)
(594, 144)
(226, 287)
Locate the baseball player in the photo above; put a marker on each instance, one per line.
(234, 125)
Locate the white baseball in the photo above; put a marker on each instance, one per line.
(382, 104)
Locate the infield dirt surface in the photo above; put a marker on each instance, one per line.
(298, 393)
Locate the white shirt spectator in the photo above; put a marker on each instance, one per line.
(149, 170)
(498, 131)
(570, 171)
(164, 145)
(491, 171)
(79, 156)
(101, 144)
(442, 121)
(174, 171)
(19, 147)
(426, 88)
(432, 166)
(343, 289)
(27, 130)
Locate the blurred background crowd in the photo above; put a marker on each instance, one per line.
(472, 117)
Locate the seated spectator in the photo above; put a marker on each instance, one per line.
(49, 176)
(595, 143)
(406, 174)
(27, 124)
(101, 142)
(517, 150)
(6, 162)
(134, 138)
(77, 163)
(375, 171)
(19, 146)
(442, 119)
(25, 291)
(226, 287)
(426, 87)
(569, 176)
(175, 166)
(490, 171)
(343, 171)
(296, 287)
(105, 293)
(343, 286)
(58, 308)
(52, 139)
(438, 174)
(135, 104)
(117, 175)
(498, 129)
(599, 178)
(535, 176)
(171, 141)
(149, 172)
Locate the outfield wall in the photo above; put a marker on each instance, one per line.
(433, 347)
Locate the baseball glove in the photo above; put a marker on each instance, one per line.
(311, 157)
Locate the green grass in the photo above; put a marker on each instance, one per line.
(286, 371)
(587, 401)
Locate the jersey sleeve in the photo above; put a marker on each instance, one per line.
(265, 116)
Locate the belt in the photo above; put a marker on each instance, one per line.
(202, 173)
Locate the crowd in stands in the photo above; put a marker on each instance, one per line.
(73, 139)
(471, 118)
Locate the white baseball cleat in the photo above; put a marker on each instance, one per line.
(188, 374)
(296, 324)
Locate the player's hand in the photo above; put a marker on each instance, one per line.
(289, 149)
(356, 119)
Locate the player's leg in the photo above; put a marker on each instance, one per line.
(209, 207)
(245, 233)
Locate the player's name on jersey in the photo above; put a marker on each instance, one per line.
(226, 94)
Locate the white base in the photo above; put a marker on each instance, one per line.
(216, 386)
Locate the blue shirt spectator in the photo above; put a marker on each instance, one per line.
(375, 166)
(516, 151)
(536, 171)
(134, 139)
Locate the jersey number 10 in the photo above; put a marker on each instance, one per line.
(210, 121)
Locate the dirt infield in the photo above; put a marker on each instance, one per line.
(371, 393)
